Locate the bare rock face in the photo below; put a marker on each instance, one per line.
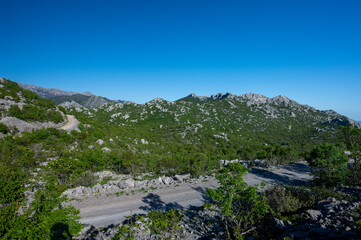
(27, 126)
(71, 104)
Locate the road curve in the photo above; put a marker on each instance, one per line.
(72, 124)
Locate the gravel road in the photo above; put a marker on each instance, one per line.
(72, 124)
(106, 209)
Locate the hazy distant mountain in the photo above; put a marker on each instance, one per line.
(52, 92)
(68, 99)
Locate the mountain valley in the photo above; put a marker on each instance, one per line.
(175, 163)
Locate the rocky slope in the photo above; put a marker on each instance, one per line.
(80, 100)
(224, 118)
(228, 111)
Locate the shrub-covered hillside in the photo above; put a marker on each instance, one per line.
(26, 105)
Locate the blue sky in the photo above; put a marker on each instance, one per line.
(136, 50)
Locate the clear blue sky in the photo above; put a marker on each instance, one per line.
(136, 50)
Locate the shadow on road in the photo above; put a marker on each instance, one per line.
(155, 203)
(300, 168)
(278, 179)
(205, 198)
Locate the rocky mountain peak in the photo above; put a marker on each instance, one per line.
(192, 95)
(281, 99)
(217, 96)
(255, 98)
(220, 96)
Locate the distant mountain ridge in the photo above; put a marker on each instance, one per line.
(224, 117)
(50, 92)
(280, 100)
(68, 99)
(273, 108)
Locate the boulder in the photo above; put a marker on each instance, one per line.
(167, 180)
(86, 190)
(141, 183)
(129, 183)
(97, 188)
(181, 178)
(313, 214)
(156, 181)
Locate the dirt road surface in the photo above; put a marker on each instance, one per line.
(72, 124)
(104, 210)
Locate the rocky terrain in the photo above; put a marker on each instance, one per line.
(106, 204)
(225, 111)
(332, 219)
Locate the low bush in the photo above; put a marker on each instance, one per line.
(160, 222)
(86, 179)
(282, 200)
(287, 200)
(353, 176)
(3, 128)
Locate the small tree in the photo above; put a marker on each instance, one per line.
(329, 163)
(240, 206)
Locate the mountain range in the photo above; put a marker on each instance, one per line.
(68, 99)
(231, 107)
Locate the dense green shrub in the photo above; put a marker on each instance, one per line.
(35, 113)
(3, 128)
(64, 170)
(329, 164)
(160, 222)
(353, 175)
(43, 218)
(281, 200)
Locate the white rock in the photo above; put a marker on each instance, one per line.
(181, 178)
(167, 180)
(129, 183)
(141, 183)
(105, 149)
